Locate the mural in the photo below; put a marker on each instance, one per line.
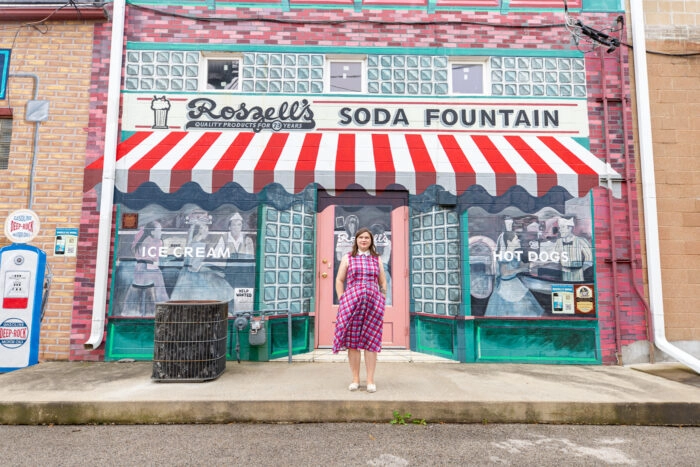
(348, 219)
(530, 265)
(189, 254)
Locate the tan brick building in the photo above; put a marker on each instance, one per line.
(50, 60)
(672, 31)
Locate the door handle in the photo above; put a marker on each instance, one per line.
(324, 275)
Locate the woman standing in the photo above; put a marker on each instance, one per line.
(148, 287)
(511, 297)
(198, 280)
(361, 286)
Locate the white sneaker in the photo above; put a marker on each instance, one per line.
(371, 388)
(354, 386)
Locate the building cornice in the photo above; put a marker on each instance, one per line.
(33, 13)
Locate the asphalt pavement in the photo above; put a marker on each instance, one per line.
(309, 392)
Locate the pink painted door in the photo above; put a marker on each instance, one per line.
(336, 226)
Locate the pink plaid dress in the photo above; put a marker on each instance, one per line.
(361, 311)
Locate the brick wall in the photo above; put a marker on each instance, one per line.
(673, 27)
(59, 54)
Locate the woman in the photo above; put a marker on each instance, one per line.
(511, 297)
(197, 279)
(147, 287)
(361, 311)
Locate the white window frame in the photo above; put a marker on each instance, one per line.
(204, 70)
(361, 59)
(486, 74)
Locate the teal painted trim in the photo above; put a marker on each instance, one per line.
(431, 6)
(285, 5)
(363, 96)
(259, 254)
(355, 50)
(126, 135)
(426, 326)
(583, 141)
(466, 308)
(603, 5)
(588, 5)
(505, 6)
(112, 286)
(121, 334)
(538, 327)
(549, 360)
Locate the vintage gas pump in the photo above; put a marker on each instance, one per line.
(22, 271)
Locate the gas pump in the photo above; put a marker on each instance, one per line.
(22, 269)
(22, 272)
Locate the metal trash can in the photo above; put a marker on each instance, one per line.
(190, 340)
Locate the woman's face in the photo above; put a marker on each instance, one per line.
(236, 227)
(364, 241)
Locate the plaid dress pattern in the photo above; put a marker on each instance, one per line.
(361, 309)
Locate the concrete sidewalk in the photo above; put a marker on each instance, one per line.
(124, 393)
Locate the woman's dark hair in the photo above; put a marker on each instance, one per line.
(508, 236)
(147, 232)
(372, 249)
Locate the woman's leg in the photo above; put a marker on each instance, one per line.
(354, 357)
(370, 364)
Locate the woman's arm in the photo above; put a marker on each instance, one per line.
(340, 278)
(382, 278)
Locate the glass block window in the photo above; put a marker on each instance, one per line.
(288, 259)
(538, 76)
(467, 78)
(283, 73)
(346, 76)
(436, 284)
(162, 70)
(407, 75)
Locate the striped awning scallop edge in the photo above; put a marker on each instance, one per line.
(335, 161)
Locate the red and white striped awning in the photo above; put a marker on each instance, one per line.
(336, 160)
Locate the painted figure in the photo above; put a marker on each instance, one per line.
(510, 296)
(199, 279)
(147, 287)
(575, 252)
(239, 244)
(361, 286)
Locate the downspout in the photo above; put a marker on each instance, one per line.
(651, 224)
(108, 173)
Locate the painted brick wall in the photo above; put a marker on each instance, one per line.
(349, 29)
(673, 27)
(59, 54)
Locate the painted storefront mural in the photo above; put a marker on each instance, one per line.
(530, 265)
(190, 254)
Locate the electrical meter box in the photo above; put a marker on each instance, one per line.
(22, 270)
